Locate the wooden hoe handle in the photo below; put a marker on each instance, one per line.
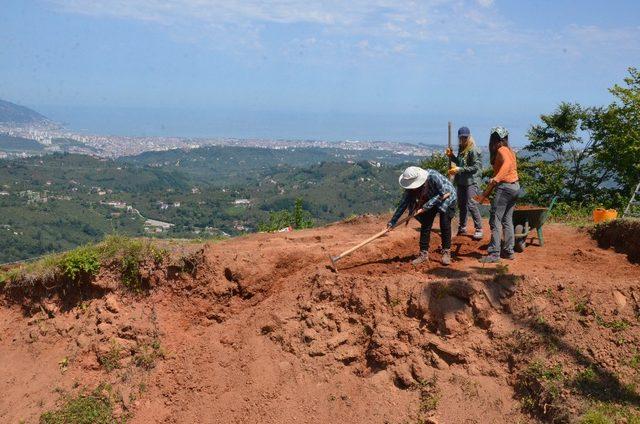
(334, 259)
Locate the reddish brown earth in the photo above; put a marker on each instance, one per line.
(264, 331)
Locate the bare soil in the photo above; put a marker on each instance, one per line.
(621, 234)
(263, 330)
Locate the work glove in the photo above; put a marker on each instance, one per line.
(449, 152)
(453, 170)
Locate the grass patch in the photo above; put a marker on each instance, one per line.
(351, 218)
(587, 380)
(608, 413)
(93, 408)
(540, 388)
(576, 215)
(82, 264)
(128, 255)
(582, 306)
(615, 325)
(111, 359)
(147, 355)
(429, 395)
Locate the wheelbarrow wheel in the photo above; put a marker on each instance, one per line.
(521, 242)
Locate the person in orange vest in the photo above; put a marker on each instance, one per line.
(507, 189)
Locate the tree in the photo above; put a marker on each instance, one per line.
(298, 219)
(566, 140)
(301, 218)
(618, 130)
(594, 152)
(437, 161)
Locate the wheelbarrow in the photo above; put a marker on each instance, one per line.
(527, 219)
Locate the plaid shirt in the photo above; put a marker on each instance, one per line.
(427, 196)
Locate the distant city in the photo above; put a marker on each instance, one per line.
(50, 135)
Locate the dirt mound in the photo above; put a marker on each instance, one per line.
(621, 234)
(261, 329)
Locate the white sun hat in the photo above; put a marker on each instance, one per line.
(413, 177)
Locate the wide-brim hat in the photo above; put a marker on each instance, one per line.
(413, 177)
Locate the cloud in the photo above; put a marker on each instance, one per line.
(485, 3)
(367, 27)
(418, 19)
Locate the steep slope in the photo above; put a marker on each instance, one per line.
(260, 329)
(11, 113)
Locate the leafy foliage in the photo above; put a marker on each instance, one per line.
(110, 360)
(437, 161)
(618, 131)
(567, 136)
(80, 262)
(298, 219)
(586, 155)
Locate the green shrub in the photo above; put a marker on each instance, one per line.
(301, 218)
(128, 254)
(277, 220)
(438, 161)
(298, 219)
(79, 263)
(573, 213)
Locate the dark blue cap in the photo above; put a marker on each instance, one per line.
(464, 132)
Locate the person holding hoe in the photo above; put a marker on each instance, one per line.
(427, 194)
(507, 189)
(467, 171)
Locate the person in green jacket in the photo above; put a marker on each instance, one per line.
(467, 169)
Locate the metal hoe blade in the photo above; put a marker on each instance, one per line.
(333, 260)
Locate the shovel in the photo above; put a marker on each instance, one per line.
(335, 259)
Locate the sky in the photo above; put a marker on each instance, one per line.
(357, 69)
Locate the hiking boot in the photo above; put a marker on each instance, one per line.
(489, 259)
(478, 235)
(423, 256)
(509, 256)
(446, 257)
(462, 231)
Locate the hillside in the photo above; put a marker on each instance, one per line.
(60, 201)
(260, 329)
(19, 144)
(11, 113)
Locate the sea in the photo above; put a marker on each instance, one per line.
(426, 128)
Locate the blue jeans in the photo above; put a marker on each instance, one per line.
(501, 219)
(467, 204)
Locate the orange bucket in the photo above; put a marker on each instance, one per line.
(602, 215)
